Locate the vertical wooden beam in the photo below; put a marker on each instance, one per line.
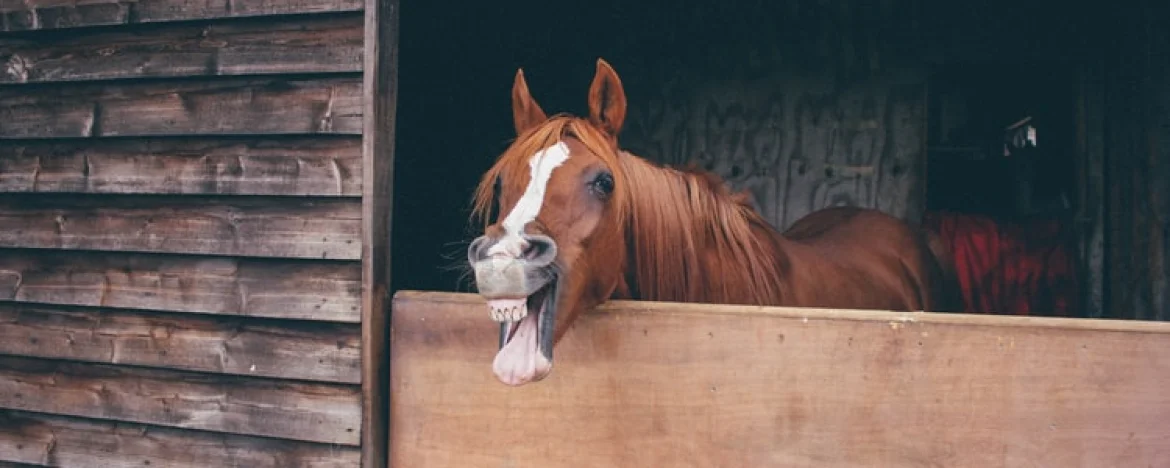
(1090, 167)
(379, 109)
(1158, 226)
(1138, 230)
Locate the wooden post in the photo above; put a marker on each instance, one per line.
(380, 96)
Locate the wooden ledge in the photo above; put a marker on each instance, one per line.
(814, 313)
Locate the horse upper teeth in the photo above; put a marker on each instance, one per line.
(510, 311)
(519, 312)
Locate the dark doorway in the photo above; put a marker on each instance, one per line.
(1001, 184)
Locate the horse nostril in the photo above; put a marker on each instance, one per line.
(540, 249)
(534, 248)
(475, 251)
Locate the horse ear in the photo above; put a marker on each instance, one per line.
(607, 99)
(526, 113)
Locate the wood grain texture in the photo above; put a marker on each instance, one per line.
(241, 346)
(303, 45)
(816, 105)
(381, 90)
(694, 385)
(290, 289)
(1090, 150)
(1158, 224)
(47, 440)
(796, 145)
(268, 226)
(1138, 169)
(221, 107)
(322, 413)
(23, 15)
(229, 166)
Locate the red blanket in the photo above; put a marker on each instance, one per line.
(1010, 268)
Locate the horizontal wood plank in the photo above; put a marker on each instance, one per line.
(231, 345)
(312, 412)
(268, 227)
(291, 289)
(221, 107)
(48, 440)
(690, 385)
(23, 15)
(302, 45)
(230, 166)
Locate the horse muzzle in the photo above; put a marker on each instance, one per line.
(521, 293)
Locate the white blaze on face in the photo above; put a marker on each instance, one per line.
(541, 167)
(520, 360)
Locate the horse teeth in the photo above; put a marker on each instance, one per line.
(519, 312)
(511, 311)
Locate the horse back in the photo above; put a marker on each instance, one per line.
(874, 243)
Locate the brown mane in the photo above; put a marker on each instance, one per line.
(689, 238)
(692, 240)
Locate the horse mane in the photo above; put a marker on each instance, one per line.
(690, 239)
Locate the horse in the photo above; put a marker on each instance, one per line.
(580, 221)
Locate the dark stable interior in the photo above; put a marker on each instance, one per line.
(1001, 184)
(454, 117)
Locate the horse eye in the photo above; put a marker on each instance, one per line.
(602, 185)
(496, 197)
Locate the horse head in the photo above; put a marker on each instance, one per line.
(556, 245)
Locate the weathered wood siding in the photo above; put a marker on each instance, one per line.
(181, 233)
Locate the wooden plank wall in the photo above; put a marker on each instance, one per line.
(181, 233)
(693, 385)
(807, 105)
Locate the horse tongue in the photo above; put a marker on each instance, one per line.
(520, 361)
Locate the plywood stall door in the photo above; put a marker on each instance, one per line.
(643, 384)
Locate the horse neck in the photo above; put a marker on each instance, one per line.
(690, 240)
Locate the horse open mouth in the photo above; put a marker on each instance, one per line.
(526, 333)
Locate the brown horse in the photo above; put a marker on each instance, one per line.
(581, 221)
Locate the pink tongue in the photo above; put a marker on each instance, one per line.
(520, 362)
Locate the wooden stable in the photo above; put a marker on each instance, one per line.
(688, 385)
(194, 232)
(195, 206)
